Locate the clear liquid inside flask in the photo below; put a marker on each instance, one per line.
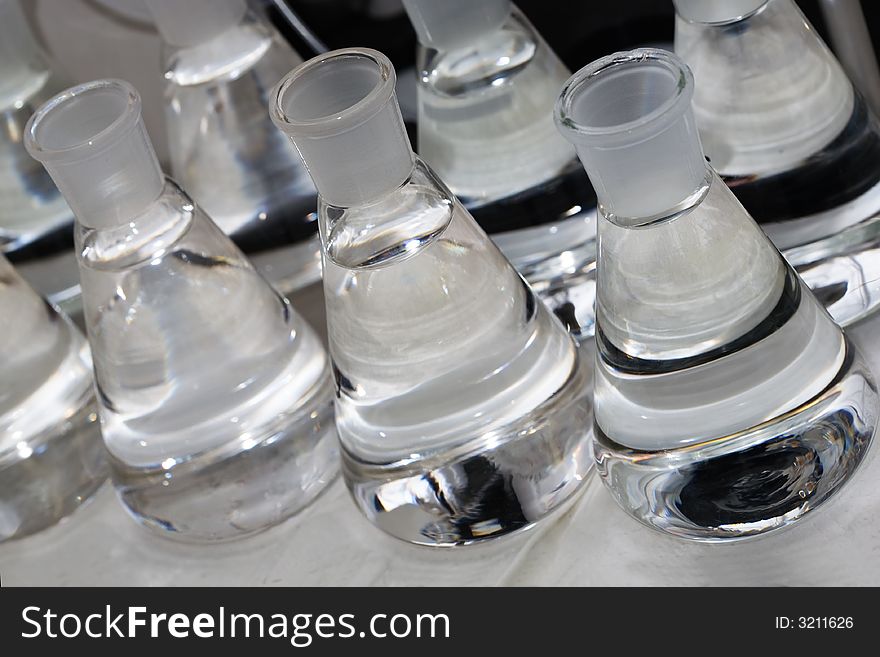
(727, 401)
(487, 83)
(36, 224)
(797, 144)
(219, 63)
(461, 401)
(51, 454)
(215, 397)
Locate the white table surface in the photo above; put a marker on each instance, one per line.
(591, 543)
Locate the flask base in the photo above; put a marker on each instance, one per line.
(502, 482)
(843, 270)
(238, 490)
(757, 480)
(44, 480)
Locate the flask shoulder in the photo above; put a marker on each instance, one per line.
(164, 224)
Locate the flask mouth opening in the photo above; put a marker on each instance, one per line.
(717, 12)
(333, 93)
(624, 98)
(82, 121)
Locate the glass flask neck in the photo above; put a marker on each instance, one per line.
(628, 116)
(341, 112)
(391, 229)
(190, 23)
(23, 67)
(142, 237)
(93, 142)
(453, 24)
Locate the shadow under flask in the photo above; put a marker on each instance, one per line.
(36, 224)
(51, 454)
(795, 141)
(487, 82)
(727, 401)
(462, 403)
(220, 61)
(215, 398)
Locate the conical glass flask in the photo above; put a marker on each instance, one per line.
(461, 401)
(219, 62)
(51, 455)
(36, 225)
(487, 82)
(727, 401)
(784, 127)
(214, 396)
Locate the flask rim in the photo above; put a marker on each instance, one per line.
(627, 132)
(127, 119)
(340, 121)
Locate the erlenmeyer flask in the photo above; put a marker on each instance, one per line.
(487, 82)
(36, 225)
(214, 396)
(784, 127)
(51, 455)
(727, 401)
(219, 62)
(461, 402)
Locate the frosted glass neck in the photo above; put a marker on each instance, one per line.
(629, 118)
(92, 141)
(340, 110)
(450, 24)
(715, 12)
(191, 22)
(23, 67)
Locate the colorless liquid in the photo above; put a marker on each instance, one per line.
(36, 224)
(51, 458)
(230, 157)
(30, 204)
(435, 339)
(202, 366)
(825, 213)
(797, 145)
(485, 114)
(486, 126)
(442, 353)
(711, 355)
